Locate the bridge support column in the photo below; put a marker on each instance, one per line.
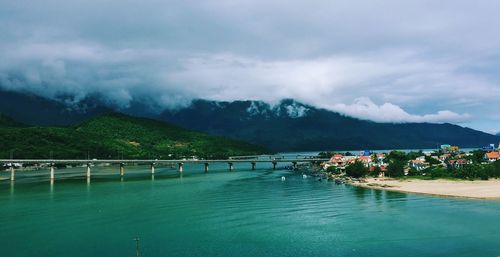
(122, 169)
(206, 167)
(153, 168)
(181, 167)
(12, 173)
(88, 170)
(52, 172)
(274, 165)
(230, 166)
(253, 165)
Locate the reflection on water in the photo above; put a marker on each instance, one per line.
(378, 195)
(359, 192)
(12, 185)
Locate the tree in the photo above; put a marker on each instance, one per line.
(397, 156)
(414, 155)
(477, 156)
(431, 160)
(376, 171)
(396, 168)
(325, 154)
(414, 172)
(438, 172)
(333, 170)
(356, 170)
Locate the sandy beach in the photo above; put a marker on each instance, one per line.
(456, 188)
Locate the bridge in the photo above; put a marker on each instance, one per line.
(252, 160)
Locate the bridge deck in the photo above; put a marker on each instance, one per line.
(159, 161)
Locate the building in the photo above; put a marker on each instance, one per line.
(444, 156)
(457, 164)
(365, 153)
(418, 164)
(383, 169)
(445, 146)
(381, 158)
(366, 160)
(488, 148)
(337, 159)
(492, 156)
(450, 148)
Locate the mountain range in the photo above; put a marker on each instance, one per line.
(286, 126)
(292, 126)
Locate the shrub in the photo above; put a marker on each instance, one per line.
(333, 170)
(356, 170)
(396, 168)
(376, 171)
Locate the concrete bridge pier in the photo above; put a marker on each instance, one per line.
(230, 166)
(253, 165)
(153, 168)
(206, 167)
(88, 170)
(181, 168)
(12, 173)
(274, 165)
(122, 169)
(52, 172)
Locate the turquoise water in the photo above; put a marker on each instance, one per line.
(240, 213)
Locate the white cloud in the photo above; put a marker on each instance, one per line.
(365, 108)
(333, 81)
(417, 58)
(396, 78)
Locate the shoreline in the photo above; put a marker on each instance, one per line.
(479, 189)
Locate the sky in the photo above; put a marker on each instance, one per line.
(386, 60)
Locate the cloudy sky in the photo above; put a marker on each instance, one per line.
(386, 60)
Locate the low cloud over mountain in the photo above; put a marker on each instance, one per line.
(422, 61)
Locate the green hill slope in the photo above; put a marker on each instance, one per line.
(115, 136)
(6, 121)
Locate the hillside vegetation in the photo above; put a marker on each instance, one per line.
(115, 135)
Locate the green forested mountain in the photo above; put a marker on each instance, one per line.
(115, 135)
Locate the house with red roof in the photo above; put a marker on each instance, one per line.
(457, 164)
(492, 156)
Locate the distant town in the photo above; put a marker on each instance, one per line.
(447, 161)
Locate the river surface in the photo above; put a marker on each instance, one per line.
(239, 213)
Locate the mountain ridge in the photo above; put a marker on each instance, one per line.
(293, 126)
(285, 126)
